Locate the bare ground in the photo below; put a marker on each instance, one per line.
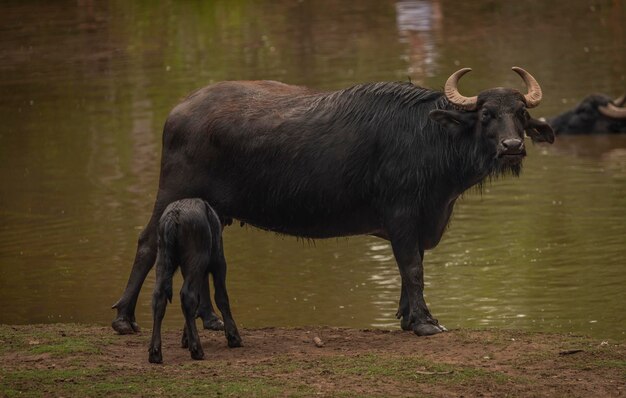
(79, 360)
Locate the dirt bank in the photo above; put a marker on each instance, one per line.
(78, 360)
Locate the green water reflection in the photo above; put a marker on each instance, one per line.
(86, 88)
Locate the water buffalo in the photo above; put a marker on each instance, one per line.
(596, 114)
(386, 159)
(190, 237)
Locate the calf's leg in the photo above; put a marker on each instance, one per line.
(210, 320)
(221, 298)
(189, 299)
(184, 341)
(159, 303)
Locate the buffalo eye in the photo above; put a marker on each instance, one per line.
(485, 115)
(522, 113)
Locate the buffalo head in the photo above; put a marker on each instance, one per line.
(597, 113)
(496, 118)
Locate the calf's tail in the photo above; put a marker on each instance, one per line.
(167, 250)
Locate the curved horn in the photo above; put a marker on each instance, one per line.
(452, 92)
(613, 111)
(620, 101)
(533, 98)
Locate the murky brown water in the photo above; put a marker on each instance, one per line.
(86, 86)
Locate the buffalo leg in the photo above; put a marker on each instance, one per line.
(184, 341)
(221, 299)
(125, 323)
(159, 303)
(210, 320)
(404, 310)
(409, 256)
(189, 299)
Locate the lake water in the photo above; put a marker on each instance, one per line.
(86, 86)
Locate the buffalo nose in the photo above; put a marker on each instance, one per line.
(513, 145)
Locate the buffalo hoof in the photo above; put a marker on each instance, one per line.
(124, 326)
(234, 340)
(155, 356)
(213, 323)
(428, 329)
(197, 353)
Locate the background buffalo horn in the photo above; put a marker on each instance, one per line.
(620, 100)
(613, 111)
(453, 95)
(533, 98)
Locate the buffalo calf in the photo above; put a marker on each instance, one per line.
(190, 236)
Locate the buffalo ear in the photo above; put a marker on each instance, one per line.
(539, 131)
(454, 120)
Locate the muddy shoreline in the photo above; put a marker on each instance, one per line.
(85, 360)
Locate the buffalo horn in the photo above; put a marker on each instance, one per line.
(620, 101)
(613, 111)
(453, 95)
(533, 98)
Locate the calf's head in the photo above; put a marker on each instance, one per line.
(496, 119)
(597, 113)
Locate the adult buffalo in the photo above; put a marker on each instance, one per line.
(385, 159)
(596, 114)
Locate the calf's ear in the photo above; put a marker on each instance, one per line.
(454, 120)
(539, 131)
